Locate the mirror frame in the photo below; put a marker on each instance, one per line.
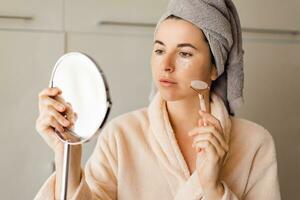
(108, 97)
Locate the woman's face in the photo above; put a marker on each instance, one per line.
(180, 54)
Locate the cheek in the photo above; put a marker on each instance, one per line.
(183, 64)
(193, 69)
(156, 61)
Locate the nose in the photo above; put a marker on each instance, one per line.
(167, 64)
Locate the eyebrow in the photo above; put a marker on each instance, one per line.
(179, 45)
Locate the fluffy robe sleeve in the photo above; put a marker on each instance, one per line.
(98, 180)
(263, 177)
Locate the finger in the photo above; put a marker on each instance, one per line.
(68, 111)
(50, 92)
(50, 132)
(210, 118)
(54, 124)
(201, 122)
(55, 104)
(208, 148)
(214, 132)
(212, 139)
(207, 129)
(60, 99)
(58, 116)
(46, 93)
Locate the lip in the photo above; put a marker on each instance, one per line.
(165, 80)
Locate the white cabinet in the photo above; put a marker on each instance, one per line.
(269, 14)
(272, 68)
(123, 52)
(31, 14)
(26, 61)
(31, 40)
(125, 60)
(272, 81)
(85, 15)
(33, 35)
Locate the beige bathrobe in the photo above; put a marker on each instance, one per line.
(137, 158)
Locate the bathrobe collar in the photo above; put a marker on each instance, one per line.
(166, 148)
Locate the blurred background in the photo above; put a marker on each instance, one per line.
(118, 34)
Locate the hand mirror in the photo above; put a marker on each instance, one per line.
(83, 85)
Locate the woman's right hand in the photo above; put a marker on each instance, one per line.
(51, 107)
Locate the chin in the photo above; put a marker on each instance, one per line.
(170, 95)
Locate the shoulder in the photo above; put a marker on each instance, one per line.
(134, 119)
(251, 146)
(250, 134)
(251, 157)
(127, 124)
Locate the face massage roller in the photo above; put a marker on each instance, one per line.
(199, 87)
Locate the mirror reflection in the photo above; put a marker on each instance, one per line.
(85, 88)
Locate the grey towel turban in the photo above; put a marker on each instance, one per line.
(219, 21)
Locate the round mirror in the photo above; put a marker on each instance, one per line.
(84, 86)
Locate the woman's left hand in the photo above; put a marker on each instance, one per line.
(210, 143)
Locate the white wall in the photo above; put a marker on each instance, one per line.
(272, 67)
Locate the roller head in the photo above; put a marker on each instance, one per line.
(199, 85)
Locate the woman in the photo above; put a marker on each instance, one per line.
(165, 151)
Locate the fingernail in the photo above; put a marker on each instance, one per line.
(67, 123)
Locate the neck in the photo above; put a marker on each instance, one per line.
(184, 114)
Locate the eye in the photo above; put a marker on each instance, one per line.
(158, 51)
(185, 54)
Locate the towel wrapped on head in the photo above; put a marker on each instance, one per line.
(219, 21)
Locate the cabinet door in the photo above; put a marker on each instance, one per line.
(125, 60)
(26, 61)
(272, 68)
(31, 14)
(269, 14)
(85, 15)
